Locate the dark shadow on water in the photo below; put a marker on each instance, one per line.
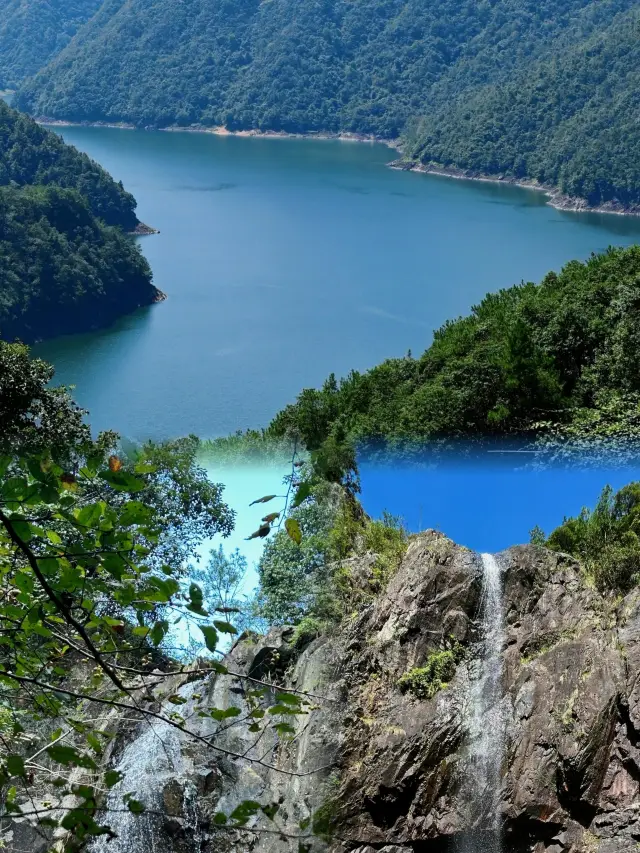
(202, 189)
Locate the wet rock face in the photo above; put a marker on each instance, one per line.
(571, 701)
(389, 769)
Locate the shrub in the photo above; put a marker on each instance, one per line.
(424, 682)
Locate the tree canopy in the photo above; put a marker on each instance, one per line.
(527, 358)
(541, 90)
(34, 32)
(30, 154)
(63, 270)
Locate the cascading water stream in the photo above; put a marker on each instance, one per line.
(147, 764)
(486, 721)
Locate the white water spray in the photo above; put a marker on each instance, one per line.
(486, 721)
(147, 765)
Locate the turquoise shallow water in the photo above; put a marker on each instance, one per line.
(285, 260)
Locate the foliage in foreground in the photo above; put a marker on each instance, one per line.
(605, 539)
(94, 552)
(312, 584)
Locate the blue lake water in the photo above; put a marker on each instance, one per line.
(285, 260)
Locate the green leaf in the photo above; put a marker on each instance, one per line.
(210, 637)
(271, 810)
(264, 500)
(89, 516)
(225, 627)
(289, 699)
(122, 481)
(177, 700)
(218, 714)
(294, 530)
(15, 765)
(244, 811)
(304, 491)
(135, 512)
(219, 818)
(69, 756)
(158, 632)
(94, 743)
(112, 777)
(196, 600)
(135, 806)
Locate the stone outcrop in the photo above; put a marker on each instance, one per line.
(374, 768)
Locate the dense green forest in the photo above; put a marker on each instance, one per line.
(562, 355)
(543, 90)
(67, 264)
(34, 32)
(62, 268)
(29, 154)
(569, 121)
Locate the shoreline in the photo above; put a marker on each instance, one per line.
(555, 197)
(141, 230)
(223, 131)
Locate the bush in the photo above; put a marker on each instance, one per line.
(424, 682)
(605, 539)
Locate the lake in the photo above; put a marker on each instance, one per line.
(285, 260)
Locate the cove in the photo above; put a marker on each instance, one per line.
(285, 260)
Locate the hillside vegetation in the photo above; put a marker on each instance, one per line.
(534, 89)
(569, 121)
(33, 32)
(562, 353)
(295, 66)
(62, 268)
(29, 154)
(67, 265)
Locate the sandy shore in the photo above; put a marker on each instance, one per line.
(223, 131)
(555, 197)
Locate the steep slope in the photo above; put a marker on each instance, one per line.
(525, 354)
(63, 270)
(378, 767)
(295, 65)
(67, 266)
(568, 122)
(29, 154)
(32, 32)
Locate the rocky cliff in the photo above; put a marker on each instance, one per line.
(381, 762)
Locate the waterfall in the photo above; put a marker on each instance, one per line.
(486, 721)
(149, 764)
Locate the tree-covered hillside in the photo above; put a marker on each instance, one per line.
(297, 65)
(29, 154)
(65, 263)
(565, 352)
(33, 31)
(63, 270)
(569, 121)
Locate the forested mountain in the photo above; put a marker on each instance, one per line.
(565, 352)
(66, 264)
(570, 121)
(33, 31)
(29, 154)
(297, 65)
(62, 269)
